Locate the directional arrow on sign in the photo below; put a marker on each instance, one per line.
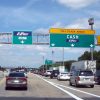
(72, 45)
(91, 45)
(53, 44)
(22, 41)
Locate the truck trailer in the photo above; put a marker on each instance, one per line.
(84, 65)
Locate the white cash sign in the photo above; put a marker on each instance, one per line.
(72, 38)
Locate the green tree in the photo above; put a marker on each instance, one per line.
(87, 56)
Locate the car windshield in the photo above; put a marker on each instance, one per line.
(49, 71)
(16, 75)
(56, 71)
(86, 73)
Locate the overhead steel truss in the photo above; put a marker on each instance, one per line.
(38, 39)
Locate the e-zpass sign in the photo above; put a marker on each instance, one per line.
(22, 37)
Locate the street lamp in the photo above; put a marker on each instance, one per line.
(43, 64)
(63, 56)
(52, 57)
(91, 23)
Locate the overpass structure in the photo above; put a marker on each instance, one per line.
(38, 39)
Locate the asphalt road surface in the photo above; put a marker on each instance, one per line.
(44, 88)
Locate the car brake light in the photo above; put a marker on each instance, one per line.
(24, 79)
(78, 78)
(8, 78)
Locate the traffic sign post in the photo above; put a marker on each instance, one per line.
(22, 37)
(71, 40)
(48, 62)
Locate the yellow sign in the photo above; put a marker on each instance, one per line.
(98, 40)
(71, 31)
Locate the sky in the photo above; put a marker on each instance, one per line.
(39, 16)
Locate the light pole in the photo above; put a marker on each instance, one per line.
(63, 56)
(52, 57)
(91, 23)
(43, 64)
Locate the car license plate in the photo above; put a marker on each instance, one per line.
(87, 79)
(16, 81)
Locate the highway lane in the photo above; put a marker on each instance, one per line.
(37, 88)
(45, 88)
(95, 90)
(82, 91)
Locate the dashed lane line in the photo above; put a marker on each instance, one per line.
(79, 90)
(65, 91)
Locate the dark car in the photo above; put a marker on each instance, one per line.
(54, 73)
(97, 77)
(16, 79)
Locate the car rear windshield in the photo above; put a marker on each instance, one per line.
(98, 73)
(86, 73)
(49, 71)
(16, 75)
(64, 73)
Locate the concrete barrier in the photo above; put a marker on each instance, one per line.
(1, 74)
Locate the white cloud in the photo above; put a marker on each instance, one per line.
(41, 31)
(79, 24)
(42, 54)
(41, 48)
(0, 45)
(57, 25)
(94, 13)
(76, 4)
(46, 30)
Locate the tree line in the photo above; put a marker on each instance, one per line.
(85, 56)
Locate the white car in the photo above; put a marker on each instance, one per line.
(63, 76)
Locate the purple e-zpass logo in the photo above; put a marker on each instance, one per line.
(22, 33)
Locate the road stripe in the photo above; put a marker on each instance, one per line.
(79, 90)
(65, 91)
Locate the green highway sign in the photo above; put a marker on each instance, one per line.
(71, 40)
(22, 37)
(48, 62)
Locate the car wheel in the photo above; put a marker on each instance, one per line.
(25, 88)
(6, 88)
(76, 85)
(59, 79)
(92, 86)
(70, 83)
(51, 77)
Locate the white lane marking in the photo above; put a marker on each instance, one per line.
(67, 92)
(79, 90)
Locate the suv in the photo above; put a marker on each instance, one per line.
(82, 77)
(54, 73)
